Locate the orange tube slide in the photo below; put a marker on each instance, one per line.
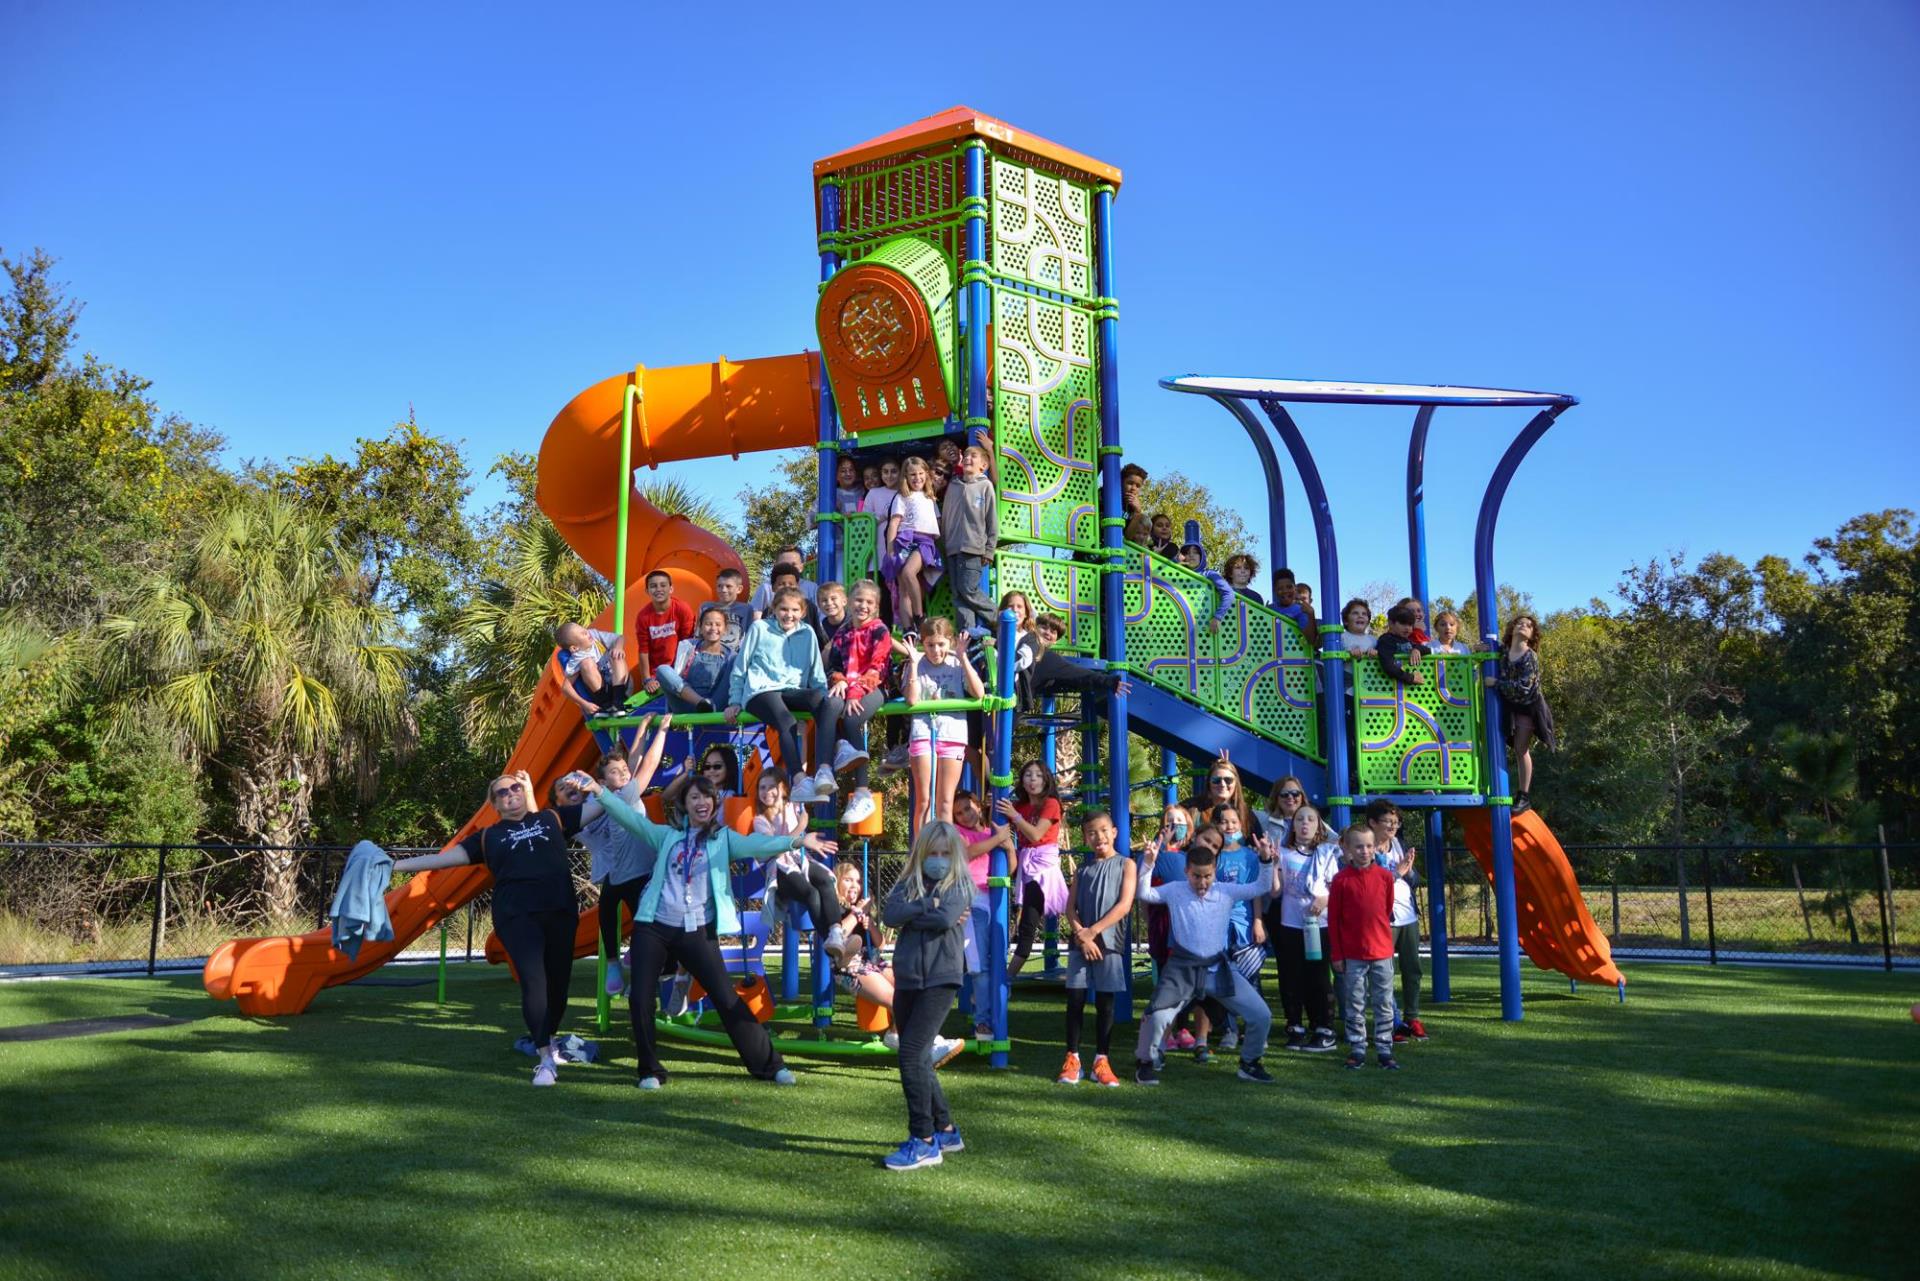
(1556, 929)
(684, 412)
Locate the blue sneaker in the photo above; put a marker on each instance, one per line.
(913, 1154)
(949, 1141)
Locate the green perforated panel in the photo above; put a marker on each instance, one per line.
(1254, 670)
(862, 535)
(1422, 738)
(1068, 588)
(1040, 228)
(1046, 421)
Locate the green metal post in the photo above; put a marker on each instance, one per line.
(620, 546)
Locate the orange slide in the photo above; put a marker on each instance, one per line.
(689, 411)
(1556, 929)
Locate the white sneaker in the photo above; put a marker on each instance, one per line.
(1231, 1040)
(835, 945)
(890, 1039)
(824, 782)
(805, 792)
(547, 1073)
(945, 1049)
(846, 756)
(860, 807)
(648, 1083)
(785, 1076)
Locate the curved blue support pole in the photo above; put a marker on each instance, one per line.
(978, 301)
(1339, 764)
(1276, 484)
(1112, 601)
(1417, 564)
(1169, 770)
(826, 559)
(1506, 913)
(997, 868)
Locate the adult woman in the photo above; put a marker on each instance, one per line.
(1222, 788)
(683, 911)
(1283, 802)
(1518, 685)
(534, 912)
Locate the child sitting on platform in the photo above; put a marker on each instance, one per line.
(863, 974)
(595, 666)
(662, 623)
(703, 669)
(777, 673)
(793, 877)
(728, 584)
(1097, 962)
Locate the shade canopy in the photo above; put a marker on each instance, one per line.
(1357, 393)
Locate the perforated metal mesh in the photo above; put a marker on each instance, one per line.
(862, 533)
(1254, 670)
(1040, 228)
(1070, 589)
(1046, 421)
(1422, 737)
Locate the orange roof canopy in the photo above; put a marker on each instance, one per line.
(964, 122)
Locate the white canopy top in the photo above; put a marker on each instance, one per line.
(1344, 393)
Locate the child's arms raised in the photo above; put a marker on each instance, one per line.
(975, 688)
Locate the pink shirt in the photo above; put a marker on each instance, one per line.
(977, 866)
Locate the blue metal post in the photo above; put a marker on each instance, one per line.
(1339, 767)
(998, 870)
(827, 550)
(1049, 743)
(789, 949)
(973, 276)
(1417, 567)
(1113, 521)
(1506, 912)
(1169, 770)
(1276, 485)
(821, 971)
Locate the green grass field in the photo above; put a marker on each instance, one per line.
(1731, 1122)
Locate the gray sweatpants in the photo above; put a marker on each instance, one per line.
(1245, 1002)
(1361, 983)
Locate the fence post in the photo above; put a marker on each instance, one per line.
(1886, 903)
(1616, 901)
(326, 904)
(160, 913)
(1706, 880)
(1806, 917)
(1680, 879)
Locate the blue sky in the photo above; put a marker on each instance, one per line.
(298, 220)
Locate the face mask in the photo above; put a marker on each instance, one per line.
(1231, 841)
(1179, 831)
(934, 868)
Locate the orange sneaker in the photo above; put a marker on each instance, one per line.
(1070, 1071)
(1103, 1073)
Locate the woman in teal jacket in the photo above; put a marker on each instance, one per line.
(683, 911)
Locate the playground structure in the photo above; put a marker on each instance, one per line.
(967, 290)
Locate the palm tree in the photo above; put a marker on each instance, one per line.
(267, 664)
(677, 498)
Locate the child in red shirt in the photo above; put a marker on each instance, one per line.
(1360, 942)
(662, 623)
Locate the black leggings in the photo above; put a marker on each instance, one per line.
(1033, 911)
(1306, 987)
(775, 708)
(918, 1014)
(698, 951)
(612, 895)
(540, 945)
(844, 721)
(814, 890)
(1102, 1019)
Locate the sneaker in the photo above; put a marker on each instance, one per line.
(1321, 1041)
(983, 1031)
(649, 1083)
(1230, 1040)
(1069, 1071)
(891, 1039)
(1182, 1040)
(945, 1049)
(1356, 1061)
(785, 1076)
(895, 760)
(1103, 1073)
(913, 1154)
(1252, 1070)
(1296, 1038)
(860, 807)
(805, 791)
(1418, 1029)
(1201, 1054)
(846, 756)
(1402, 1034)
(1144, 1074)
(949, 1141)
(824, 781)
(677, 998)
(616, 978)
(1390, 1063)
(1521, 804)
(835, 946)
(548, 1073)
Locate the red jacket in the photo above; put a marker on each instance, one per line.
(859, 656)
(1360, 914)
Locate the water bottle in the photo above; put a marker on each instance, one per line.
(1313, 940)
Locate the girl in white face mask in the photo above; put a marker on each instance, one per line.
(927, 906)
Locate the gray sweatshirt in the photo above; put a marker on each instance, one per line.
(969, 518)
(931, 951)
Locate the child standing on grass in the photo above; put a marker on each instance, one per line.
(1360, 934)
(1039, 888)
(937, 741)
(1383, 817)
(1309, 860)
(1197, 965)
(927, 905)
(970, 818)
(1102, 896)
(1238, 864)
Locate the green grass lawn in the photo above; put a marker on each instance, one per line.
(1732, 1122)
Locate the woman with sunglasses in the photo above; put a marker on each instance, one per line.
(718, 766)
(1283, 802)
(534, 910)
(1222, 787)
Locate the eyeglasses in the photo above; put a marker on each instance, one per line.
(1293, 794)
(714, 767)
(499, 792)
(1221, 781)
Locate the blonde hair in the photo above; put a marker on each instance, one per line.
(936, 838)
(907, 465)
(1351, 837)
